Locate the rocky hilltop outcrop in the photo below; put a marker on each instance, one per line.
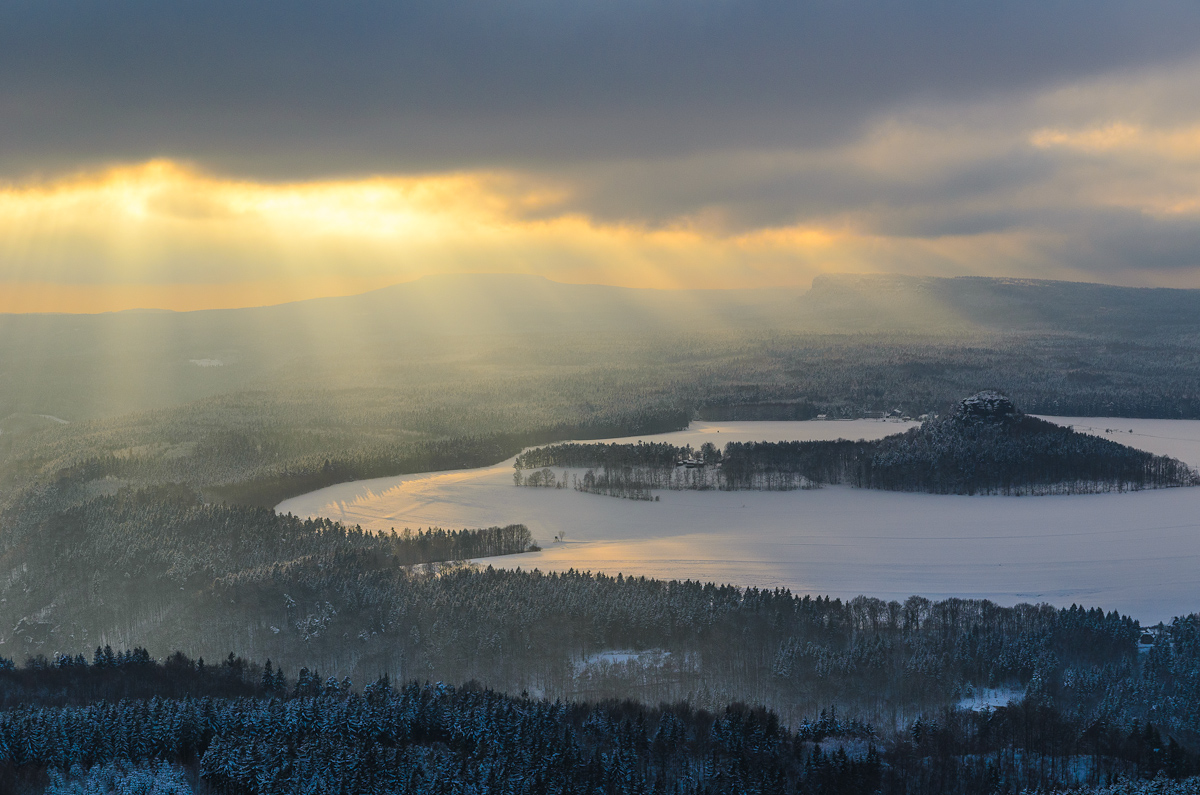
(987, 405)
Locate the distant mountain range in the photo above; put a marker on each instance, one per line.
(884, 302)
(132, 360)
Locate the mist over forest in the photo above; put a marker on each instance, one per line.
(600, 398)
(142, 453)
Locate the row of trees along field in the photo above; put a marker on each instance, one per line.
(128, 724)
(989, 450)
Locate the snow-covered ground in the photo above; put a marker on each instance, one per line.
(1135, 552)
(990, 698)
(606, 660)
(52, 418)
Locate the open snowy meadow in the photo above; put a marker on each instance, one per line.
(1137, 552)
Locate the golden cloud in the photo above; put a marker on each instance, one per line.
(1155, 171)
(169, 235)
(165, 234)
(1181, 144)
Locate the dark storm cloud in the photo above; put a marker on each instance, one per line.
(752, 192)
(302, 88)
(1120, 241)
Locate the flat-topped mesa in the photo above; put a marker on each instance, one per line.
(988, 405)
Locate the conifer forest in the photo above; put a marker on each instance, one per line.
(164, 629)
(601, 397)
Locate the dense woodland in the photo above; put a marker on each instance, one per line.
(135, 494)
(478, 402)
(989, 450)
(851, 344)
(393, 384)
(163, 570)
(124, 722)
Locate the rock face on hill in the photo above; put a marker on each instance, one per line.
(987, 405)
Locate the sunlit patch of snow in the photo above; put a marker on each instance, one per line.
(983, 698)
(651, 658)
(1133, 552)
(52, 418)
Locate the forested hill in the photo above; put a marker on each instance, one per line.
(885, 301)
(262, 735)
(985, 447)
(160, 569)
(127, 725)
(1131, 350)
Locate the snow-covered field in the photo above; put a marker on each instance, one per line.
(990, 698)
(1135, 552)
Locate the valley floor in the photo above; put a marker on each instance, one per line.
(1133, 552)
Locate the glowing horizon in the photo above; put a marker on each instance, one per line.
(326, 150)
(167, 235)
(162, 235)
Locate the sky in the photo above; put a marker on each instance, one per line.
(188, 155)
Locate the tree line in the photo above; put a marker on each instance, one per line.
(160, 569)
(127, 721)
(956, 454)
